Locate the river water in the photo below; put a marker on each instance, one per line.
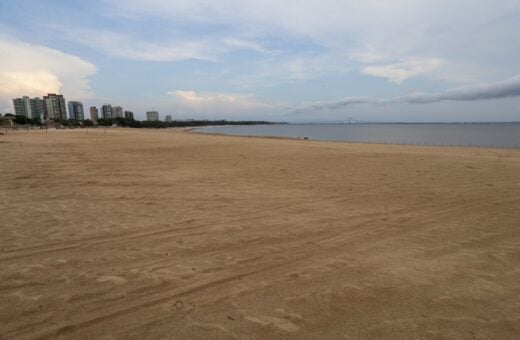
(499, 135)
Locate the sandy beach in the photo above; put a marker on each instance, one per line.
(169, 234)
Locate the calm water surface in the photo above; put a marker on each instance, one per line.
(500, 135)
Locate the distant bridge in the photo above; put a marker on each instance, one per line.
(349, 120)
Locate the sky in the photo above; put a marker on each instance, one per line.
(293, 61)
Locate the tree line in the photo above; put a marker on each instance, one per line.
(175, 123)
(123, 122)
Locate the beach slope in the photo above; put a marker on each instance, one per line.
(156, 233)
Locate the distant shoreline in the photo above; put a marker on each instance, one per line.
(497, 135)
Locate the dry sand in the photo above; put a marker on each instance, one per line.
(159, 234)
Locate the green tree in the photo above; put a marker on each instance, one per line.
(19, 119)
(35, 121)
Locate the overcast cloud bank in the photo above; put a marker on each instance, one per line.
(497, 90)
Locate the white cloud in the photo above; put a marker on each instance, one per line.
(241, 44)
(507, 88)
(170, 50)
(23, 82)
(367, 55)
(193, 98)
(35, 70)
(189, 101)
(382, 35)
(397, 73)
(125, 47)
(286, 70)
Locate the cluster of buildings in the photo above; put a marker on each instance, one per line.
(109, 112)
(52, 107)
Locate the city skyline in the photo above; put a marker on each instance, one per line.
(55, 107)
(305, 61)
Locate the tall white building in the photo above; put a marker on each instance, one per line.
(76, 110)
(152, 116)
(117, 112)
(106, 111)
(94, 113)
(37, 108)
(55, 106)
(29, 107)
(22, 106)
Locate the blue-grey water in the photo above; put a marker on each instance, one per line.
(498, 135)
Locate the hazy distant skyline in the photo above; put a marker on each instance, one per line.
(275, 60)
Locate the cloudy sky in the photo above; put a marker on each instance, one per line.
(306, 60)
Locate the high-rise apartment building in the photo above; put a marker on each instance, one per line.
(37, 108)
(76, 110)
(117, 112)
(22, 106)
(29, 107)
(55, 106)
(94, 114)
(106, 111)
(129, 115)
(152, 116)
(168, 118)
